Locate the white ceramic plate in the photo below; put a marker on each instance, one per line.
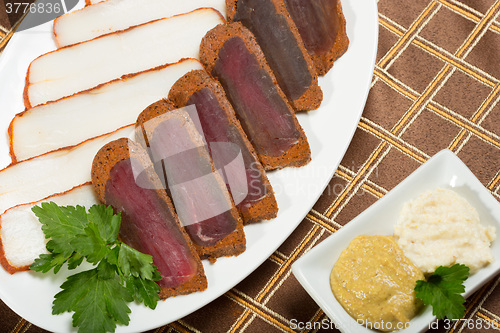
(329, 130)
(445, 170)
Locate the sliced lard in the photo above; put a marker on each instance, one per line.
(92, 2)
(114, 15)
(83, 66)
(91, 113)
(21, 236)
(56, 172)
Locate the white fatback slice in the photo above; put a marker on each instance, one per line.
(82, 66)
(114, 15)
(21, 233)
(91, 113)
(55, 172)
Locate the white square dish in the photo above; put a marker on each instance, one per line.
(444, 170)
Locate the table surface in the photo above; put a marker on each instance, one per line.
(436, 85)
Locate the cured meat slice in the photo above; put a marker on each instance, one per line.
(198, 191)
(280, 41)
(114, 15)
(82, 66)
(123, 177)
(226, 139)
(231, 54)
(55, 172)
(21, 236)
(72, 119)
(322, 26)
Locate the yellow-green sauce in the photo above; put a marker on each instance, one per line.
(374, 282)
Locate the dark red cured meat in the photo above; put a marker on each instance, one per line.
(149, 226)
(216, 128)
(180, 169)
(263, 113)
(317, 21)
(278, 43)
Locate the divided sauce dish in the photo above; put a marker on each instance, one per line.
(444, 170)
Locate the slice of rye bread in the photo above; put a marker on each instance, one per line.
(323, 61)
(297, 155)
(310, 98)
(234, 243)
(266, 207)
(123, 149)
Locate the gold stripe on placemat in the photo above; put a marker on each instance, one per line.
(278, 274)
(285, 266)
(443, 55)
(465, 124)
(488, 319)
(366, 186)
(355, 180)
(255, 308)
(393, 140)
(320, 222)
(408, 35)
(10, 33)
(494, 182)
(21, 327)
(479, 112)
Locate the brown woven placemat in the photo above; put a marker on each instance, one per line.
(436, 85)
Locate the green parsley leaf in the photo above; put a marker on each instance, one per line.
(144, 291)
(443, 290)
(135, 263)
(98, 297)
(107, 222)
(61, 225)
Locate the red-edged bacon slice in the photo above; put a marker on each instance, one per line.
(123, 177)
(21, 236)
(55, 172)
(114, 15)
(71, 120)
(82, 66)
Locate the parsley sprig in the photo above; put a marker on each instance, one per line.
(443, 290)
(97, 297)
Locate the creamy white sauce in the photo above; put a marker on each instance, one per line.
(440, 228)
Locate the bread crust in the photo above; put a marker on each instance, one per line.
(300, 153)
(123, 149)
(312, 97)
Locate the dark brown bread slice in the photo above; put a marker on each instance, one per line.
(320, 14)
(256, 206)
(284, 49)
(299, 153)
(122, 150)
(233, 243)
